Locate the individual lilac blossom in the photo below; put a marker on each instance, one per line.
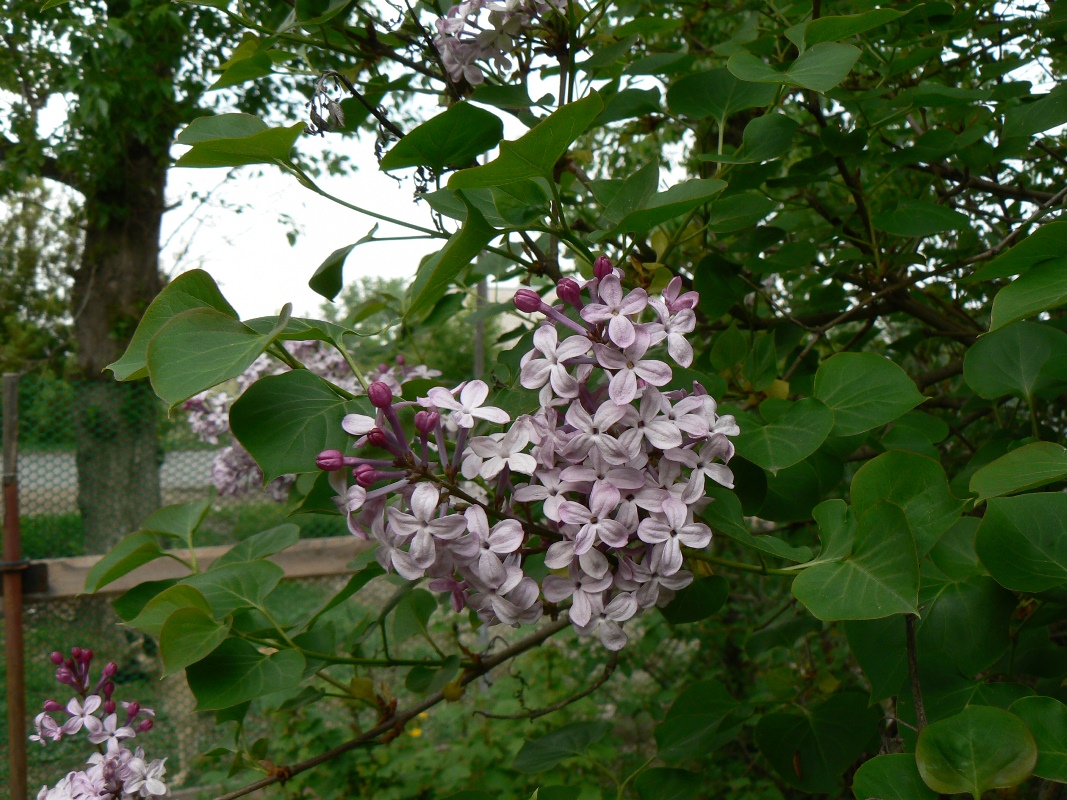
(650, 424)
(550, 373)
(469, 406)
(605, 620)
(675, 299)
(552, 489)
(583, 588)
(424, 525)
(45, 729)
(502, 539)
(670, 530)
(505, 451)
(688, 415)
(597, 472)
(111, 730)
(146, 778)
(390, 552)
(592, 432)
(702, 463)
(614, 310)
(595, 521)
(675, 327)
(82, 715)
(561, 555)
(631, 364)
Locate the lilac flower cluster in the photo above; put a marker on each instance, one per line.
(466, 36)
(115, 772)
(604, 480)
(233, 471)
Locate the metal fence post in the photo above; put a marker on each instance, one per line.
(13, 565)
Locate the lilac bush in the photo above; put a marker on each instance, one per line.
(604, 480)
(115, 771)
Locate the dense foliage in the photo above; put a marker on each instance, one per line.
(868, 215)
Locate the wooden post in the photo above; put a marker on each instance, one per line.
(12, 568)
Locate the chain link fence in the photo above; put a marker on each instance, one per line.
(58, 421)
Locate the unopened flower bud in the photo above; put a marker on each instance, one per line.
(108, 689)
(426, 421)
(377, 438)
(133, 709)
(145, 726)
(401, 361)
(569, 292)
(57, 657)
(87, 655)
(110, 669)
(76, 653)
(65, 676)
(527, 300)
(602, 267)
(383, 367)
(52, 706)
(380, 395)
(109, 706)
(366, 476)
(330, 460)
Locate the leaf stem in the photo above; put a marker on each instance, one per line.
(739, 565)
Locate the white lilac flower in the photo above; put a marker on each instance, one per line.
(391, 555)
(585, 589)
(46, 728)
(592, 431)
(605, 620)
(595, 521)
(552, 489)
(424, 525)
(505, 451)
(615, 310)
(649, 423)
(629, 365)
(702, 463)
(111, 731)
(668, 531)
(550, 372)
(596, 472)
(504, 538)
(469, 406)
(82, 714)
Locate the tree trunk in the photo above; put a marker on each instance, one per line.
(118, 453)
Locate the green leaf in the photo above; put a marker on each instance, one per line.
(812, 748)
(915, 483)
(413, 614)
(131, 552)
(192, 289)
(738, 211)
(919, 218)
(608, 55)
(158, 609)
(180, 520)
(510, 97)
(765, 139)
(133, 601)
(220, 126)
(880, 648)
(1047, 242)
(1013, 360)
(716, 94)
(232, 586)
(833, 29)
(819, 68)
(188, 635)
(1027, 467)
(451, 139)
(1047, 111)
(781, 634)
(1023, 541)
(724, 516)
(893, 775)
(664, 783)
(1046, 718)
(879, 578)
(631, 195)
(355, 583)
(271, 146)
(236, 671)
(1043, 287)
(965, 620)
(699, 600)
(791, 438)
(436, 274)
(837, 529)
(201, 348)
(535, 154)
(328, 279)
(538, 755)
(247, 69)
(702, 718)
(630, 103)
(864, 390)
(260, 546)
(285, 421)
(954, 553)
(664, 206)
(980, 749)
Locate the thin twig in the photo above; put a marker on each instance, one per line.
(913, 673)
(609, 669)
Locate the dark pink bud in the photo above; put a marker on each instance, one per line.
(401, 361)
(569, 292)
(145, 726)
(57, 657)
(52, 706)
(108, 689)
(87, 655)
(133, 709)
(602, 267)
(367, 476)
(109, 706)
(65, 676)
(330, 460)
(76, 653)
(527, 300)
(426, 421)
(383, 367)
(381, 396)
(377, 438)
(110, 669)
